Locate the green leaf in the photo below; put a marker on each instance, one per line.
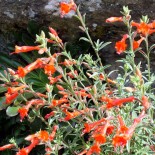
(128, 146)
(2, 104)
(27, 58)
(2, 89)
(27, 39)
(85, 39)
(152, 47)
(104, 45)
(26, 95)
(12, 111)
(7, 61)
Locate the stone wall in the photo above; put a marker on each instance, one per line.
(16, 13)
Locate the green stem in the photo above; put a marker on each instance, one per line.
(89, 38)
(43, 120)
(131, 47)
(148, 58)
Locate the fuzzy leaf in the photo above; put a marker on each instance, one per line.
(12, 111)
(85, 39)
(2, 104)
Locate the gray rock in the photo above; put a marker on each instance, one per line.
(16, 13)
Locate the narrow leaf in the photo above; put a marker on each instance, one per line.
(85, 39)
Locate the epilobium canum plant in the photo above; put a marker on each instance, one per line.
(85, 112)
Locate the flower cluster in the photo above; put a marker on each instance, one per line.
(143, 30)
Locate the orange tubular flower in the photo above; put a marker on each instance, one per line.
(35, 102)
(54, 79)
(124, 134)
(136, 44)
(75, 113)
(67, 7)
(42, 50)
(110, 129)
(99, 133)
(42, 135)
(101, 77)
(121, 45)
(68, 62)
(91, 126)
(119, 140)
(94, 149)
(10, 97)
(101, 128)
(99, 138)
(22, 49)
(12, 90)
(141, 27)
(41, 95)
(50, 41)
(23, 71)
(83, 93)
(47, 116)
(60, 87)
(71, 115)
(114, 19)
(49, 69)
(65, 94)
(53, 31)
(48, 151)
(144, 28)
(27, 150)
(145, 102)
(135, 123)
(23, 113)
(72, 75)
(52, 135)
(8, 146)
(122, 127)
(54, 36)
(59, 102)
(105, 99)
(119, 102)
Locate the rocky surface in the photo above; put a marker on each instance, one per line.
(16, 13)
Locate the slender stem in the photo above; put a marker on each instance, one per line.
(43, 120)
(131, 46)
(93, 46)
(148, 58)
(89, 38)
(148, 63)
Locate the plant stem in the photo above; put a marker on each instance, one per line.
(89, 38)
(131, 46)
(148, 58)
